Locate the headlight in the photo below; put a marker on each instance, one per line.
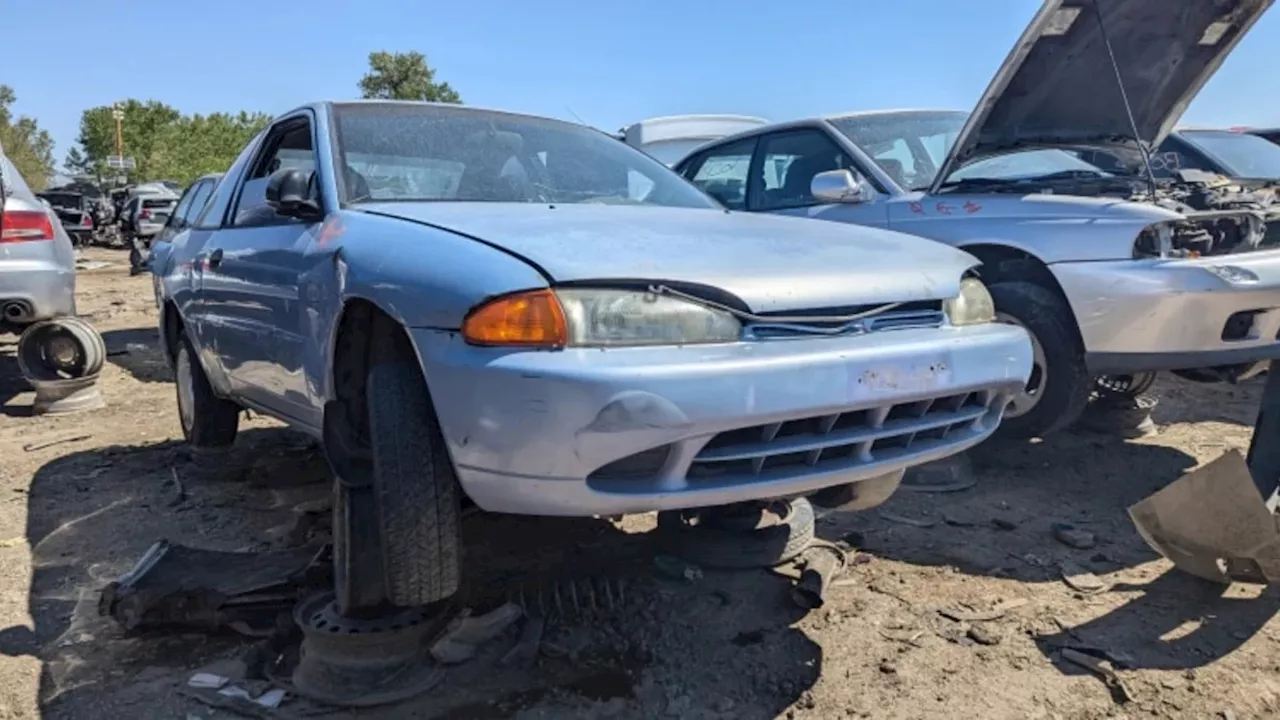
(619, 318)
(584, 317)
(972, 306)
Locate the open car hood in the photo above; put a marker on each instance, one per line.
(1057, 86)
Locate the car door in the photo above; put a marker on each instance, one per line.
(785, 164)
(250, 282)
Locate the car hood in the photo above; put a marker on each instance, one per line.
(772, 263)
(1057, 86)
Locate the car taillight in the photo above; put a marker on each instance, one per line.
(25, 226)
(144, 215)
(86, 220)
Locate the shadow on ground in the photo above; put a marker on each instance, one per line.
(1004, 528)
(668, 645)
(137, 351)
(12, 383)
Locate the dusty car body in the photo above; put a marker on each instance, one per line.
(37, 260)
(530, 313)
(1109, 278)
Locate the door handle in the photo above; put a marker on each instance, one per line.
(215, 258)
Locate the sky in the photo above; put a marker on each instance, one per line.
(604, 62)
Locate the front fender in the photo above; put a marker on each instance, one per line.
(1054, 228)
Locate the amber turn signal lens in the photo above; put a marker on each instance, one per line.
(528, 319)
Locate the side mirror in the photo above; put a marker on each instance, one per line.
(837, 186)
(289, 193)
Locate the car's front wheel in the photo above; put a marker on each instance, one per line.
(1058, 390)
(208, 421)
(414, 487)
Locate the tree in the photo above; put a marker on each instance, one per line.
(27, 146)
(164, 144)
(201, 144)
(404, 76)
(143, 122)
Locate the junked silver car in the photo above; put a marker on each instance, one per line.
(535, 316)
(37, 260)
(1112, 275)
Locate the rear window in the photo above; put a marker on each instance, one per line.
(157, 203)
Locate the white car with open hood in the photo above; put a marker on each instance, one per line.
(1114, 274)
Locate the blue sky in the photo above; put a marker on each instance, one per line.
(605, 61)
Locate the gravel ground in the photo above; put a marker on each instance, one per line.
(77, 513)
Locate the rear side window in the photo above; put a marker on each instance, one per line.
(199, 198)
(722, 172)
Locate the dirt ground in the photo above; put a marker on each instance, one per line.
(77, 513)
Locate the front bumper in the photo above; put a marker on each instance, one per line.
(41, 289)
(1149, 315)
(604, 432)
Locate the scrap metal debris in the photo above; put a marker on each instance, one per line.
(904, 520)
(179, 586)
(1079, 579)
(41, 445)
(822, 563)
(468, 632)
(1214, 523)
(1103, 669)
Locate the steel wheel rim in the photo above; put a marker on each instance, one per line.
(1026, 399)
(186, 390)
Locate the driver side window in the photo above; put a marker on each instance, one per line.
(288, 146)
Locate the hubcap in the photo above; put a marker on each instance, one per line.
(186, 390)
(1030, 395)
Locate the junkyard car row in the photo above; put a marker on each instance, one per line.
(468, 305)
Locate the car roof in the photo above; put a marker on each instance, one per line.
(321, 106)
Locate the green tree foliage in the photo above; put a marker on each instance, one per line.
(164, 144)
(28, 147)
(143, 122)
(201, 144)
(404, 76)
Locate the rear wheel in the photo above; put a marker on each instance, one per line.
(414, 484)
(1058, 390)
(208, 421)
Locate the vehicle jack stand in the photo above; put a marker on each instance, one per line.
(1218, 521)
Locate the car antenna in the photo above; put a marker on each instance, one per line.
(575, 115)
(1124, 97)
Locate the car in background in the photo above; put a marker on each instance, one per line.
(145, 216)
(1113, 275)
(533, 315)
(1241, 156)
(75, 211)
(185, 212)
(37, 260)
(1271, 134)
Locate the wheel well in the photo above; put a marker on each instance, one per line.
(364, 332)
(1003, 263)
(172, 328)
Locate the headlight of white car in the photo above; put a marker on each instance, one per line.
(590, 317)
(620, 318)
(972, 306)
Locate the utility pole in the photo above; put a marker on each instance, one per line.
(117, 112)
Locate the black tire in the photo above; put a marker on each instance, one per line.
(417, 491)
(212, 422)
(1067, 383)
(735, 548)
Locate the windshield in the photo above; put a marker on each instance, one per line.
(1240, 154)
(406, 152)
(911, 146)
